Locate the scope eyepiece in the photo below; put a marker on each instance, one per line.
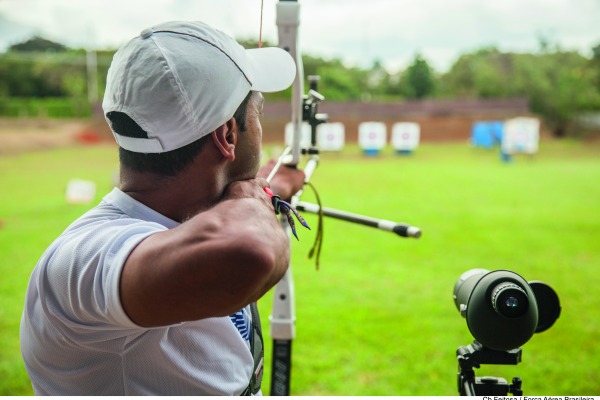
(509, 300)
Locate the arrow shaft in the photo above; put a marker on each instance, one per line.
(401, 229)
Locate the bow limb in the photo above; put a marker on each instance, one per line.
(288, 20)
(303, 107)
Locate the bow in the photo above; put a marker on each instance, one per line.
(304, 108)
(283, 317)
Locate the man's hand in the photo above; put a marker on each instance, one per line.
(286, 182)
(251, 188)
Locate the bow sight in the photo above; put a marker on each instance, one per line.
(310, 114)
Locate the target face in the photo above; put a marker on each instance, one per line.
(372, 135)
(331, 136)
(406, 135)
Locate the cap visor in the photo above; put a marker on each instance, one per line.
(274, 69)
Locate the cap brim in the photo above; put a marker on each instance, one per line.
(274, 69)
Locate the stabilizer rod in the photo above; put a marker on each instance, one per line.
(400, 229)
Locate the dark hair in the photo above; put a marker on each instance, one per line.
(169, 163)
(240, 113)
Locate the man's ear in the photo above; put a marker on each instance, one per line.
(225, 139)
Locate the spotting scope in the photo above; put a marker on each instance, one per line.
(502, 309)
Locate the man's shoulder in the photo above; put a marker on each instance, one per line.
(104, 228)
(117, 210)
(102, 238)
(104, 217)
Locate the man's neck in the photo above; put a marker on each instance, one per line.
(178, 198)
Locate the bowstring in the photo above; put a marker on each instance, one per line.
(261, 24)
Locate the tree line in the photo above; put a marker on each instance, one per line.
(559, 84)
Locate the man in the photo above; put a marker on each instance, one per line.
(148, 293)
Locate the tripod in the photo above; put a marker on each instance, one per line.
(473, 356)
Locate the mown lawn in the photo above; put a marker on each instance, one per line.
(378, 317)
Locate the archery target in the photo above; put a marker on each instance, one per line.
(521, 135)
(331, 136)
(405, 136)
(304, 138)
(372, 136)
(80, 191)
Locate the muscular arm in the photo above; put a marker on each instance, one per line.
(211, 265)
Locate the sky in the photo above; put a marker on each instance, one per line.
(357, 32)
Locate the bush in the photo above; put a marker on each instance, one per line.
(49, 107)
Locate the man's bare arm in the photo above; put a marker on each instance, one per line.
(211, 265)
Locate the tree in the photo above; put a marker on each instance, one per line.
(596, 64)
(484, 73)
(338, 82)
(37, 44)
(41, 68)
(418, 80)
(558, 84)
(381, 85)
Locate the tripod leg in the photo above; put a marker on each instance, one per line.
(516, 388)
(466, 382)
(469, 388)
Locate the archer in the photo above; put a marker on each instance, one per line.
(152, 292)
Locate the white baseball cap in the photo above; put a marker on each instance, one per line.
(179, 81)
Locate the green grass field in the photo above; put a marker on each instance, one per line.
(378, 317)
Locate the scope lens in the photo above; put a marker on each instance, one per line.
(509, 300)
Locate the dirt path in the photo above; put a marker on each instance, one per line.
(22, 135)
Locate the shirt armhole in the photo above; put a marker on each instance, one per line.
(113, 281)
(115, 307)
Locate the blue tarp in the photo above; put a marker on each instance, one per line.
(486, 134)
